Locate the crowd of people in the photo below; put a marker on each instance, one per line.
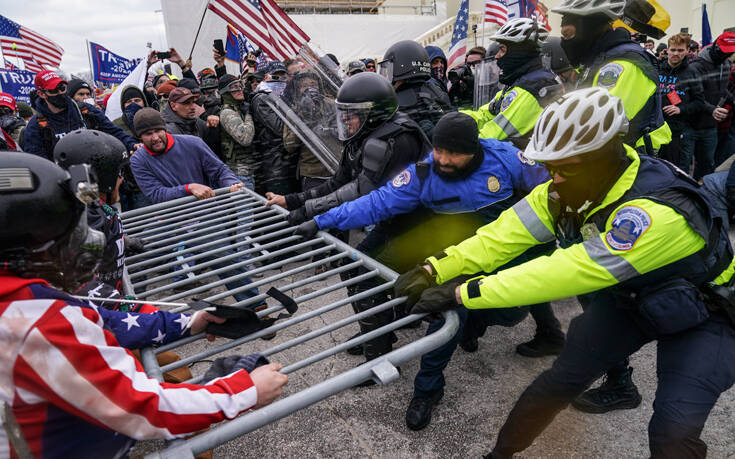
(586, 168)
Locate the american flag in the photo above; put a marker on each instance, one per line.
(35, 50)
(8, 65)
(496, 11)
(264, 23)
(459, 37)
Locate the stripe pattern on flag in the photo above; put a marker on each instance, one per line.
(35, 50)
(496, 12)
(264, 23)
(458, 47)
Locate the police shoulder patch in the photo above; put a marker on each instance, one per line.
(628, 225)
(402, 179)
(493, 184)
(524, 160)
(609, 74)
(508, 99)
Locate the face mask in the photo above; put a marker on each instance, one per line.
(130, 112)
(575, 49)
(438, 72)
(59, 100)
(89, 101)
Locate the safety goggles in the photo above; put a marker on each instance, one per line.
(60, 89)
(572, 170)
(234, 87)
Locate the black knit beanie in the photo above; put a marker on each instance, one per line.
(457, 132)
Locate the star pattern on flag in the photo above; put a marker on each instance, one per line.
(183, 320)
(131, 320)
(159, 337)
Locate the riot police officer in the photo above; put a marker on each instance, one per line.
(639, 238)
(407, 66)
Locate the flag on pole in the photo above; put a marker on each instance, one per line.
(8, 65)
(264, 23)
(33, 48)
(458, 47)
(706, 31)
(496, 12)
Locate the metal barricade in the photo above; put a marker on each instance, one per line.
(195, 248)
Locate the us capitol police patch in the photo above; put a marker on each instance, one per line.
(402, 179)
(628, 225)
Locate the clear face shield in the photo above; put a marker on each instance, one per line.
(487, 74)
(385, 68)
(351, 118)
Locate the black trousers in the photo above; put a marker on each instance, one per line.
(693, 367)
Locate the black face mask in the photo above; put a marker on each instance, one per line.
(515, 63)
(594, 180)
(575, 49)
(59, 100)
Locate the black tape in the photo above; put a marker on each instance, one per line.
(440, 255)
(284, 299)
(473, 288)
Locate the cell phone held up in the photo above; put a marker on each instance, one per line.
(220, 47)
(163, 55)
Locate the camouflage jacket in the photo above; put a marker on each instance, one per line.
(237, 137)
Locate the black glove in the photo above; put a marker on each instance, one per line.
(245, 108)
(308, 229)
(297, 216)
(412, 284)
(133, 245)
(437, 299)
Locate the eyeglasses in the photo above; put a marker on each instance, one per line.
(570, 171)
(60, 89)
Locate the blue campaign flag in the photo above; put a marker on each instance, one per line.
(706, 32)
(237, 46)
(17, 83)
(108, 67)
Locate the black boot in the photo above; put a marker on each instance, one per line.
(357, 349)
(541, 345)
(418, 413)
(617, 392)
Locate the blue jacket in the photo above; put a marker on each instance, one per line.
(503, 173)
(66, 122)
(187, 159)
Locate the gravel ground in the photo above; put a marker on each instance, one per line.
(481, 389)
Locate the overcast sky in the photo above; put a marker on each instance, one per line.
(122, 26)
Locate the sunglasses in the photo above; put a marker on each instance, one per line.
(565, 171)
(60, 89)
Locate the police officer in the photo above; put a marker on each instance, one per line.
(237, 131)
(639, 238)
(465, 183)
(611, 60)
(528, 85)
(406, 65)
(511, 115)
(379, 142)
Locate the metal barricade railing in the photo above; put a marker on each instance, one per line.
(233, 236)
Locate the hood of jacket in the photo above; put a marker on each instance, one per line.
(434, 52)
(186, 126)
(71, 113)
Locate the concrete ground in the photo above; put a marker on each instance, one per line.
(481, 389)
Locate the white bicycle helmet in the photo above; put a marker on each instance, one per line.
(578, 122)
(521, 29)
(611, 8)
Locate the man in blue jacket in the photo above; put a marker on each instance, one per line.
(464, 184)
(57, 114)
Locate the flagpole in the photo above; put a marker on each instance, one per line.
(91, 68)
(206, 7)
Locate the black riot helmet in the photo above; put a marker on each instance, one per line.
(365, 100)
(554, 57)
(43, 225)
(404, 60)
(103, 152)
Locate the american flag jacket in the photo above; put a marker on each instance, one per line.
(77, 391)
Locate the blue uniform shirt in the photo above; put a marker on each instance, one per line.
(504, 172)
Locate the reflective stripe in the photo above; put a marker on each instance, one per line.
(505, 124)
(616, 265)
(530, 220)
